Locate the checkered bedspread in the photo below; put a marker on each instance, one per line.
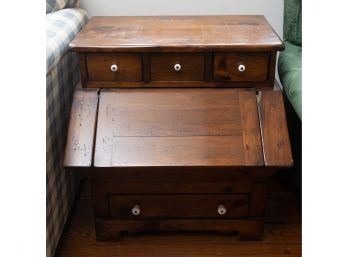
(62, 75)
(55, 5)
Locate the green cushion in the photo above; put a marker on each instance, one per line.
(290, 73)
(293, 21)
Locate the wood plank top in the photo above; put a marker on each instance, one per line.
(177, 127)
(177, 33)
(80, 139)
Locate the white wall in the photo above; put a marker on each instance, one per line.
(271, 9)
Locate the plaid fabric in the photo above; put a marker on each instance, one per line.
(55, 5)
(61, 184)
(61, 28)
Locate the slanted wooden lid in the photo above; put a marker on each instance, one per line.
(177, 33)
(177, 127)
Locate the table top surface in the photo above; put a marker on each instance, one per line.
(177, 127)
(177, 33)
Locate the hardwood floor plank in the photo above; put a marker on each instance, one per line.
(175, 245)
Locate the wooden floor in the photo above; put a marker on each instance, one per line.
(282, 235)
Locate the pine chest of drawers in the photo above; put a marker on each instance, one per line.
(179, 123)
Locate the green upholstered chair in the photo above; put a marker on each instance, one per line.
(290, 74)
(290, 60)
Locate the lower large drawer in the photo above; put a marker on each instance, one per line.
(183, 205)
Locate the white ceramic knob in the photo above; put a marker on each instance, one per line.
(241, 68)
(136, 210)
(114, 67)
(177, 67)
(222, 209)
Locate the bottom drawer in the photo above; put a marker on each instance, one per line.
(183, 205)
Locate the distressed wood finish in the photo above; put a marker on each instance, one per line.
(180, 84)
(251, 130)
(80, 139)
(192, 147)
(226, 66)
(282, 234)
(276, 142)
(179, 153)
(110, 230)
(177, 33)
(186, 205)
(83, 68)
(151, 178)
(198, 186)
(162, 66)
(162, 127)
(129, 67)
(196, 42)
(205, 174)
(272, 67)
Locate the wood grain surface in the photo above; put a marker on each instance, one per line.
(162, 66)
(180, 84)
(112, 230)
(172, 127)
(129, 67)
(274, 129)
(226, 66)
(80, 139)
(184, 187)
(186, 205)
(282, 235)
(173, 33)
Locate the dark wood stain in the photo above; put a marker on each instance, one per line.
(189, 40)
(282, 236)
(226, 66)
(180, 144)
(186, 205)
(129, 67)
(161, 126)
(162, 67)
(276, 142)
(177, 33)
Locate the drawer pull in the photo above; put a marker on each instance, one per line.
(222, 209)
(114, 67)
(136, 210)
(241, 68)
(177, 67)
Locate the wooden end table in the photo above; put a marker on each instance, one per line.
(178, 125)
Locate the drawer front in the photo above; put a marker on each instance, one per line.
(200, 205)
(177, 66)
(109, 67)
(241, 66)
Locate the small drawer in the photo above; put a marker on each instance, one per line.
(191, 205)
(108, 67)
(241, 66)
(177, 67)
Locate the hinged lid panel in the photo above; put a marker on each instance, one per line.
(177, 127)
